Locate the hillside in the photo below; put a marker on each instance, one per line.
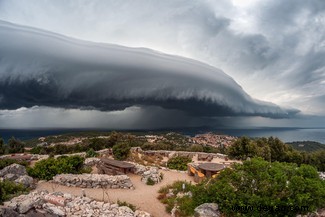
(307, 146)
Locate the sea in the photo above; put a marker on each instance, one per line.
(285, 134)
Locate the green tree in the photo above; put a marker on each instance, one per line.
(15, 145)
(243, 148)
(46, 169)
(121, 151)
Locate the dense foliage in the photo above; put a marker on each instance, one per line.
(261, 185)
(178, 163)
(121, 151)
(15, 145)
(48, 168)
(272, 149)
(10, 189)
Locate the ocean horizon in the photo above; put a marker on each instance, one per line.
(285, 134)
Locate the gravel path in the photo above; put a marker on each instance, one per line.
(144, 196)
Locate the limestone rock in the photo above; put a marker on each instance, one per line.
(56, 211)
(8, 212)
(34, 205)
(139, 213)
(207, 210)
(26, 180)
(25, 205)
(16, 169)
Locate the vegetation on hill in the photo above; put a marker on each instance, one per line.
(95, 144)
(254, 188)
(14, 146)
(308, 146)
(178, 163)
(273, 149)
(48, 168)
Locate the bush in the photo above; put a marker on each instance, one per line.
(178, 163)
(185, 203)
(121, 151)
(131, 206)
(150, 181)
(258, 183)
(10, 189)
(91, 153)
(15, 145)
(255, 183)
(47, 169)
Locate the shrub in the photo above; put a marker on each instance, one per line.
(10, 189)
(121, 151)
(91, 153)
(185, 203)
(178, 163)
(46, 169)
(150, 181)
(124, 203)
(161, 176)
(255, 183)
(15, 145)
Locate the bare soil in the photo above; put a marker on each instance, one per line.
(143, 196)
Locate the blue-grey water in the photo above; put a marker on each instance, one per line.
(285, 134)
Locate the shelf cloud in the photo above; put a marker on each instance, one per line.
(41, 68)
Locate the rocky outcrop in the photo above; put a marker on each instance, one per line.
(36, 202)
(94, 181)
(15, 169)
(147, 172)
(153, 174)
(207, 210)
(16, 173)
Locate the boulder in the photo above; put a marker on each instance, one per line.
(25, 205)
(56, 211)
(26, 180)
(10, 177)
(16, 169)
(207, 210)
(8, 212)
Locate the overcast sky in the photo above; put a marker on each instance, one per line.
(261, 63)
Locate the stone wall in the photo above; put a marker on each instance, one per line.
(147, 172)
(94, 181)
(45, 204)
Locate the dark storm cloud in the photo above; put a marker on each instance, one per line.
(45, 69)
(272, 48)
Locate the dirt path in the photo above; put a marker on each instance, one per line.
(144, 196)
